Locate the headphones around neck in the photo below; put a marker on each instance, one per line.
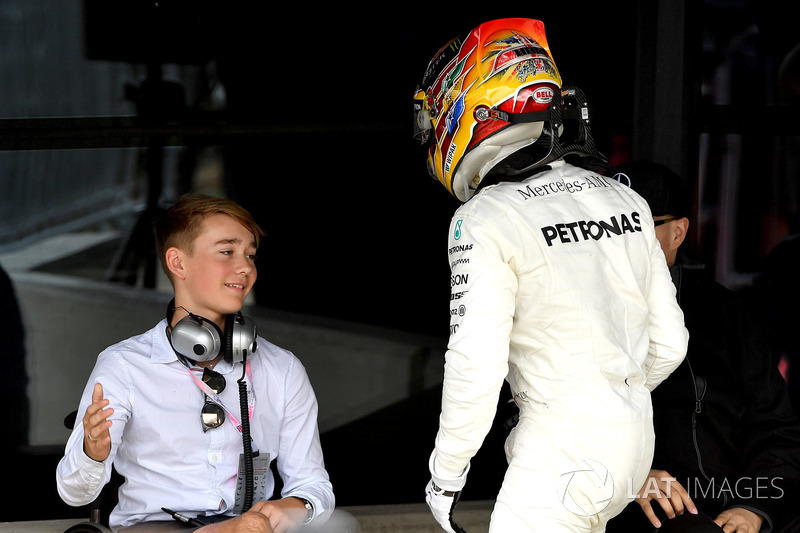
(200, 339)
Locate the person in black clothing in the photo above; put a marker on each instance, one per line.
(727, 442)
(775, 291)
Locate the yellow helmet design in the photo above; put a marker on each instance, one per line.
(483, 97)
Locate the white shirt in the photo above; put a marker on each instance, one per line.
(159, 446)
(559, 286)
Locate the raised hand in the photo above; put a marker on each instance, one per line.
(96, 438)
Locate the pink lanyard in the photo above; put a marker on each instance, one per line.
(208, 391)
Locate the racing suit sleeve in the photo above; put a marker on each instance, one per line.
(79, 478)
(483, 290)
(669, 338)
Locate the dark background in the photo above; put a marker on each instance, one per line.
(357, 229)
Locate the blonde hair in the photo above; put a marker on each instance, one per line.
(180, 225)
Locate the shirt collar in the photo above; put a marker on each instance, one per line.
(162, 349)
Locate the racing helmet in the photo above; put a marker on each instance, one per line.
(483, 97)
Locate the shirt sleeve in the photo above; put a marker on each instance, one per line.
(79, 478)
(300, 461)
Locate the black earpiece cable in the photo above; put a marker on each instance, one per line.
(246, 441)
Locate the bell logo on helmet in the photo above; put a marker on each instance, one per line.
(543, 95)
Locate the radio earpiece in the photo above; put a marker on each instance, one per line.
(200, 339)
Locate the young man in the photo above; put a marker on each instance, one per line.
(727, 441)
(558, 286)
(164, 407)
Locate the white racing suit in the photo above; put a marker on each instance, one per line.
(559, 286)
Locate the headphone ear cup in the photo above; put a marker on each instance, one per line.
(196, 338)
(242, 336)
